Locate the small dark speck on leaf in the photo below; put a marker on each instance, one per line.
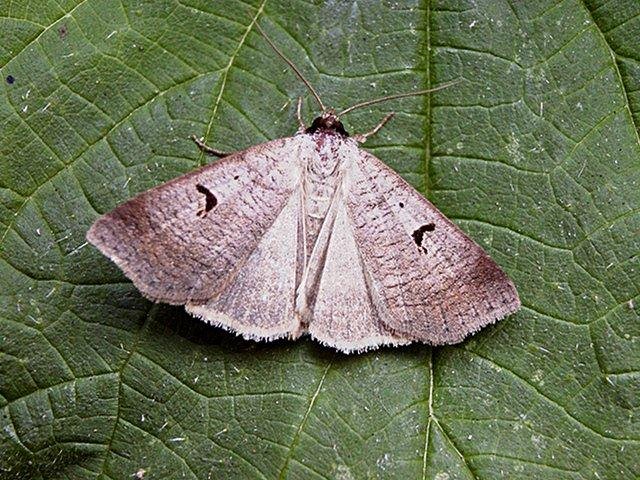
(62, 32)
(10, 79)
(236, 177)
(401, 205)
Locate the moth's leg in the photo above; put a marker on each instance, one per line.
(362, 137)
(207, 149)
(301, 125)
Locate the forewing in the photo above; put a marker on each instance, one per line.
(435, 283)
(186, 240)
(259, 301)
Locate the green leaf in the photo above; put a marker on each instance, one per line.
(535, 154)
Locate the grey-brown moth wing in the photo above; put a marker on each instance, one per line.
(432, 282)
(184, 241)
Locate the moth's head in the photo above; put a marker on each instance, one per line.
(328, 122)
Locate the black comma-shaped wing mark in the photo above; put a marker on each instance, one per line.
(210, 200)
(418, 234)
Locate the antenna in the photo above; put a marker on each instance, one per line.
(400, 95)
(293, 67)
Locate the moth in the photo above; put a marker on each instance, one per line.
(307, 234)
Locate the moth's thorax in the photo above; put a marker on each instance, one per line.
(324, 169)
